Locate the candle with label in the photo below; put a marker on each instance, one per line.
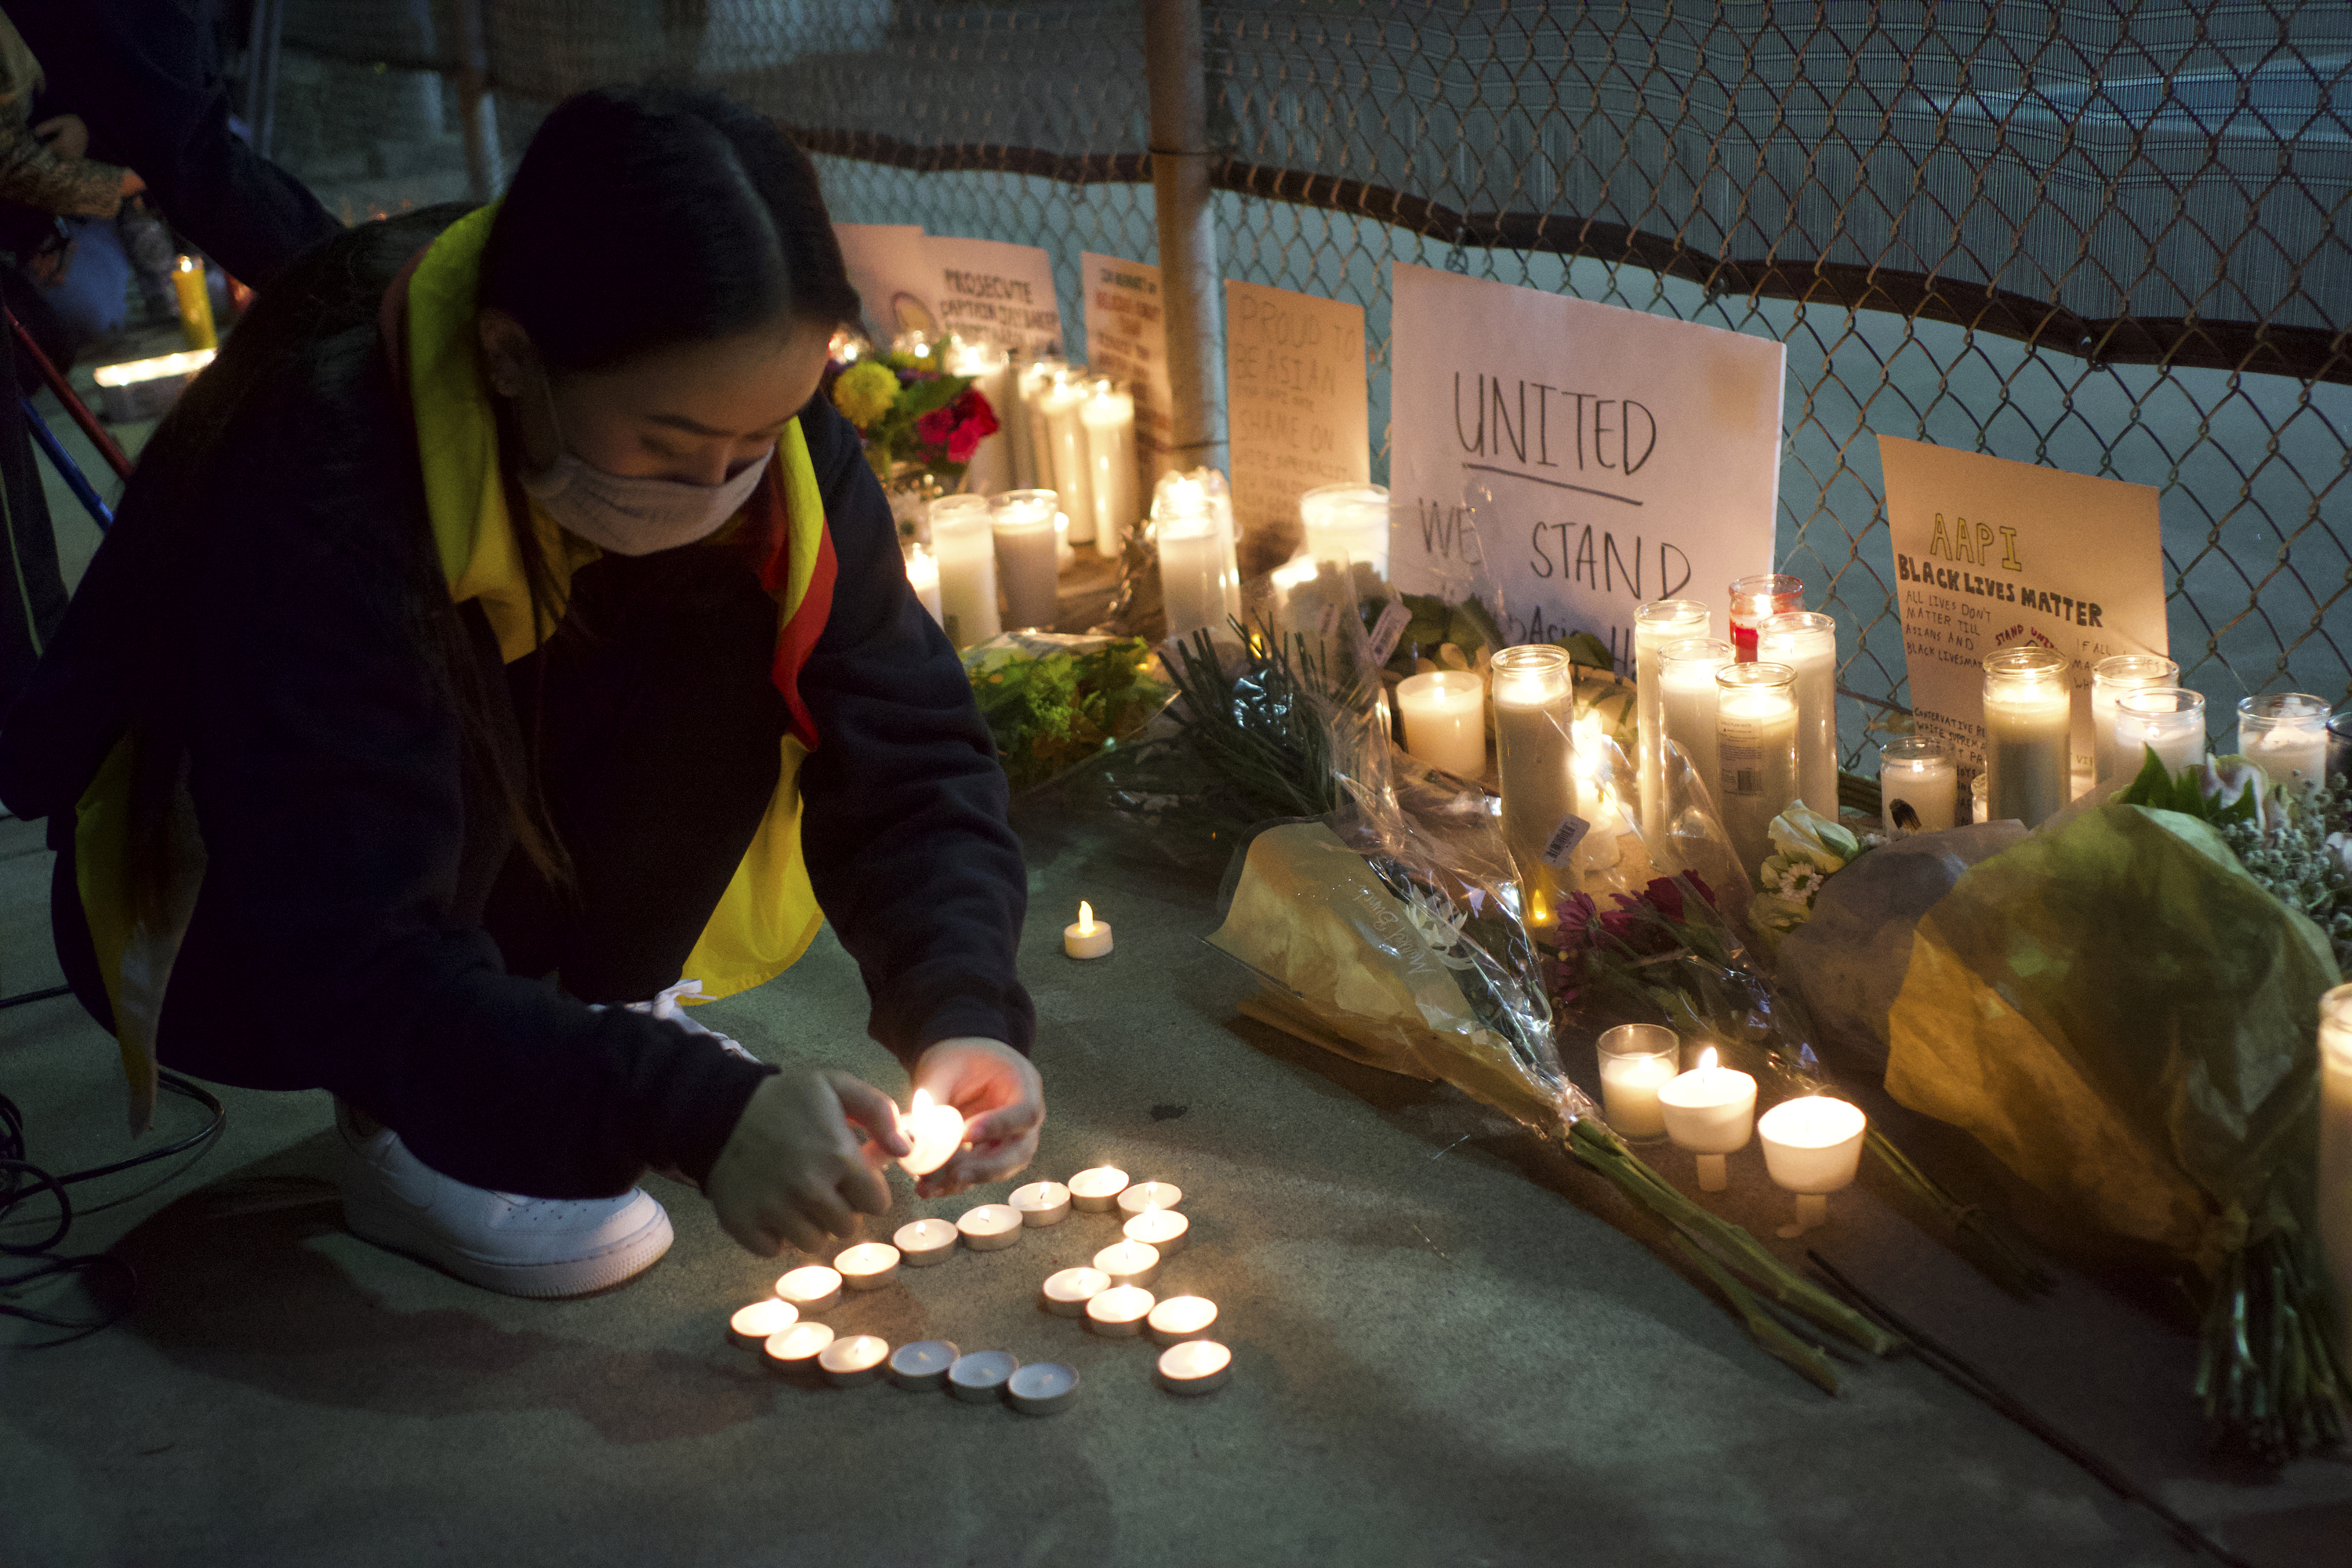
(1688, 701)
(2334, 1186)
(1535, 714)
(1042, 1203)
(1918, 786)
(2167, 720)
(1756, 599)
(923, 577)
(1656, 624)
(2111, 679)
(990, 370)
(936, 1132)
(1806, 641)
(2285, 733)
(1636, 1061)
(1756, 742)
(1811, 1148)
(1347, 522)
(1709, 1110)
(1086, 937)
(1064, 407)
(2028, 710)
(964, 544)
(1108, 416)
(1444, 714)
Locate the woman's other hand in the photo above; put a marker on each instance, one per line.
(795, 1171)
(1004, 1105)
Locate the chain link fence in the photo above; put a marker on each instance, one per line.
(2110, 238)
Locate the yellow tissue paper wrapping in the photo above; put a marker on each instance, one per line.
(2128, 1021)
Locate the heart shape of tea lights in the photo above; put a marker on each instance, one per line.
(1095, 1191)
(935, 1133)
(990, 1226)
(812, 1288)
(1810, 1148)
(868, 1266)
(1710, 1111)
(1087, 937)
(924, 1242)
(752, 1325)
(1042, 1203)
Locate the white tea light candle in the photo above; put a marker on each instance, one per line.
(979, 1377)
(1636, 1061)
(922, 1367)
(935, 1133)
(1042, 1203)
(1163, 1230)
(1129, 1262)
(1656, 624)
(1118, 1311)
(2111, 677)
(1067, 1292)
(1444, 714)
(924, 1242)
(750, 1326)
(1196, 1366)
(796, 1349)
(1688, 707)
(1182, 1318)
(1144, 1195)
(1806, 641)
(809, 1288)
(1042, 1388)
(1709, 1110)
(1756, 746)
(1811, 1148)
(1095, 1191)
(990, 1228)
(1918, 786)
(1086, 937)
(868, 1266)
(852, 1360)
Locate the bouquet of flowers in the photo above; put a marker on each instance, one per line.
(914, 417)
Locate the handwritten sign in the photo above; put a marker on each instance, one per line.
(990, 291)
(1126, 338)
(1296, 399)
(1575, 459)
(1989, 553)
(891, 268)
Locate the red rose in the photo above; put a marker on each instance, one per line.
(933, 430)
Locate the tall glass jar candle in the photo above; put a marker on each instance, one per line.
(991, 369)
(1756, 738)
(1109, 417)
(964, 544)
(1193, 512)
(1806, 641)
(2110, 678)
(2285, 734)
(1918, 786)
(1656, 624)
(1445, 714)
(1026, 567)
(1534, 716)
(1686, 678)
(1755, 600)
(2029, 711)
(2170, 720)
(1064, 405)
(1037, 378)
(1346, 523)
(2335, 1154)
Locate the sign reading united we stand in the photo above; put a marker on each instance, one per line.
(1572, 460)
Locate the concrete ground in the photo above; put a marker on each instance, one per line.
(1452, 1346)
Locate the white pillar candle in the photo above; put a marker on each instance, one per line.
(923, 577)
(965, 545)
(1097, 1191)
(2028, 711)
(1709, 1110)
(1811, 1147)
(935, 1133)
(1042, 1388)
(1196, 1366)
(922, 1367)
(1756, 741)
(1806, 641)
(1636, 1061)
(1145, 1197)
(1182, 1318)
(1346, 523)
(2168, 719)
(750, 1326)
(924, 1242)
(1042, 1203)
(1192, 577)
(1688, 701)
(2110, 680)
(1020, 446)
(1035, 381)
(1108, 417)
(1444, 714)
(868, 1266)
(1067, 1292)
(811, 1288)
(1129, 1262)
(1756, 599)
(1022, 523)
(2335, 1189)
(2285, 734)
(991, 369)
(1534, 712)
(1918, 786)
(1087, 937)
(1160, 1230)
(990, 1228)
(795, 1348)
(1119, 1311)
(1656, 624)
(854, 1359)
(978, 1377)
(1065, 436)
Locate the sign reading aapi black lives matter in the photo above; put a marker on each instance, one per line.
(1574, 460)
(1990, 553)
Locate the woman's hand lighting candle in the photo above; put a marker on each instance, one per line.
(1709, 1110)
(1811, 1147)
(1086, 937)
(936, 1132)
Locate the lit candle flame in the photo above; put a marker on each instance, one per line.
(1706, 1065)
(1085, 917)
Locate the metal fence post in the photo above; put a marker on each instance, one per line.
(1189, 294)
(476, 110)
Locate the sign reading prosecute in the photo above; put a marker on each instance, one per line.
(1574, 460)
(1990, 553)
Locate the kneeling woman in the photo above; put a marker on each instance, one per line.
(503, 607)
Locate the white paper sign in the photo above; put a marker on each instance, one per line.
(1989, 553)
(1296, 400)
(1126, 338)
(1606, 456)
(891, 267)
(990, 291)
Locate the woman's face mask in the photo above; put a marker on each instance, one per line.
(633, 516)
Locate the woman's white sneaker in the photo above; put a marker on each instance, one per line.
(517, 1245)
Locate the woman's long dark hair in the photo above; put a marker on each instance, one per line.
(640, 219)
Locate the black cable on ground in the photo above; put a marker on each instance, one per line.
(22, 997)
(23, 1183)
